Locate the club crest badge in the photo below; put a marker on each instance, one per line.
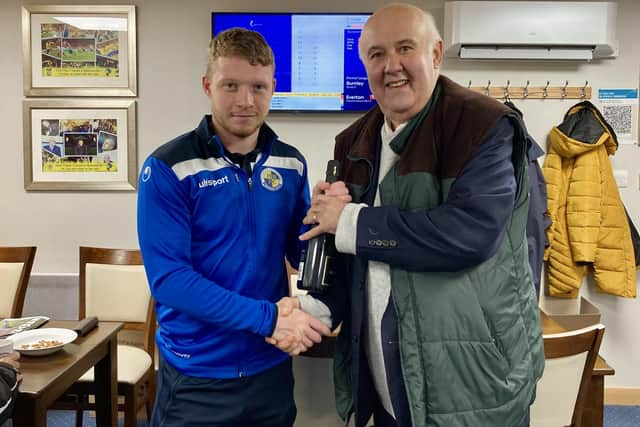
(271, 179)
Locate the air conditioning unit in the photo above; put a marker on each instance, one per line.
(558, 30)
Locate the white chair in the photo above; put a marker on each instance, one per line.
(15, 269)
(569, 361)
(114, 287)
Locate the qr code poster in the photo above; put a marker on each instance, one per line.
(620, 109)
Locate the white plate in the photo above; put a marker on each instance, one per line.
(23, 341)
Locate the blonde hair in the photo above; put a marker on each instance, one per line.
(242, 43)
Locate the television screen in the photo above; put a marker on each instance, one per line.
(316, 55)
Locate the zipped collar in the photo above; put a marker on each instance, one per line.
(206, 133)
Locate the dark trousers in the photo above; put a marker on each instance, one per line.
(262, 400)
(381, 418)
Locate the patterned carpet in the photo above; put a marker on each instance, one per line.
(622, 416)
(614, 416)
(68, 419)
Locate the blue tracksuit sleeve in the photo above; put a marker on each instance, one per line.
(294, 245)
(164, 233)
(464, 230)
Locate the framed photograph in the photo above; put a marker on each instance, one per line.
(79, 50)
(79, 144)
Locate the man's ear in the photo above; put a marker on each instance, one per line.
(206, 85)
(273, 88)
(437, 54)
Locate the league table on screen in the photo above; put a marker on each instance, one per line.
(317, 67)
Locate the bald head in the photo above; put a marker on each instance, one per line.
(393, 14)
(401, 50)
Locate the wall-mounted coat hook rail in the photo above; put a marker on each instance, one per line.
(563, 91)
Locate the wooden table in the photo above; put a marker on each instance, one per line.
(593, 415)
(46, 378)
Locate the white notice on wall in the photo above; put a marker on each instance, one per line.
(620, 109)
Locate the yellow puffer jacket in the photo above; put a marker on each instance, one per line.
(589, 225)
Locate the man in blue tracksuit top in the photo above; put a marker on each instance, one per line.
(219, 208)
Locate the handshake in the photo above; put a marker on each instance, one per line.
(296, 331)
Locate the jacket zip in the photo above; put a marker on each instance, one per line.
(250, 206)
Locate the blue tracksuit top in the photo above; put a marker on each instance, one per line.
(214, 242)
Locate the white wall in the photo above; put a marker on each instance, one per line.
(172, 40)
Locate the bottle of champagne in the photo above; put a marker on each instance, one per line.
(318, 264)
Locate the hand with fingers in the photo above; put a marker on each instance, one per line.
(286, 305)
(296, 331)
(289, 343)
(327, 202)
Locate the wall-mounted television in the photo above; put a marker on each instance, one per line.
(316, 55)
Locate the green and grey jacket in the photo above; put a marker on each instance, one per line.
(470, 342)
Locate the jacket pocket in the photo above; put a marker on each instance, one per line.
(495, 342)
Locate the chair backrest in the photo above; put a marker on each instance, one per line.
(15, 269)
(569, 361)
(114, 287)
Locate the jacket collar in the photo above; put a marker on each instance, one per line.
(367, 136)
(206, 133)
(371, 122)
(400, 141)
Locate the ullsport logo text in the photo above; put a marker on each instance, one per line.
(213, 182)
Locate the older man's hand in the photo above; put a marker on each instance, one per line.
(327, 203)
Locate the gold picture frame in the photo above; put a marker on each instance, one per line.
(71, 50)
(79, 144)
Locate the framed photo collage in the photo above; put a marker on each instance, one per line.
(79, 121)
